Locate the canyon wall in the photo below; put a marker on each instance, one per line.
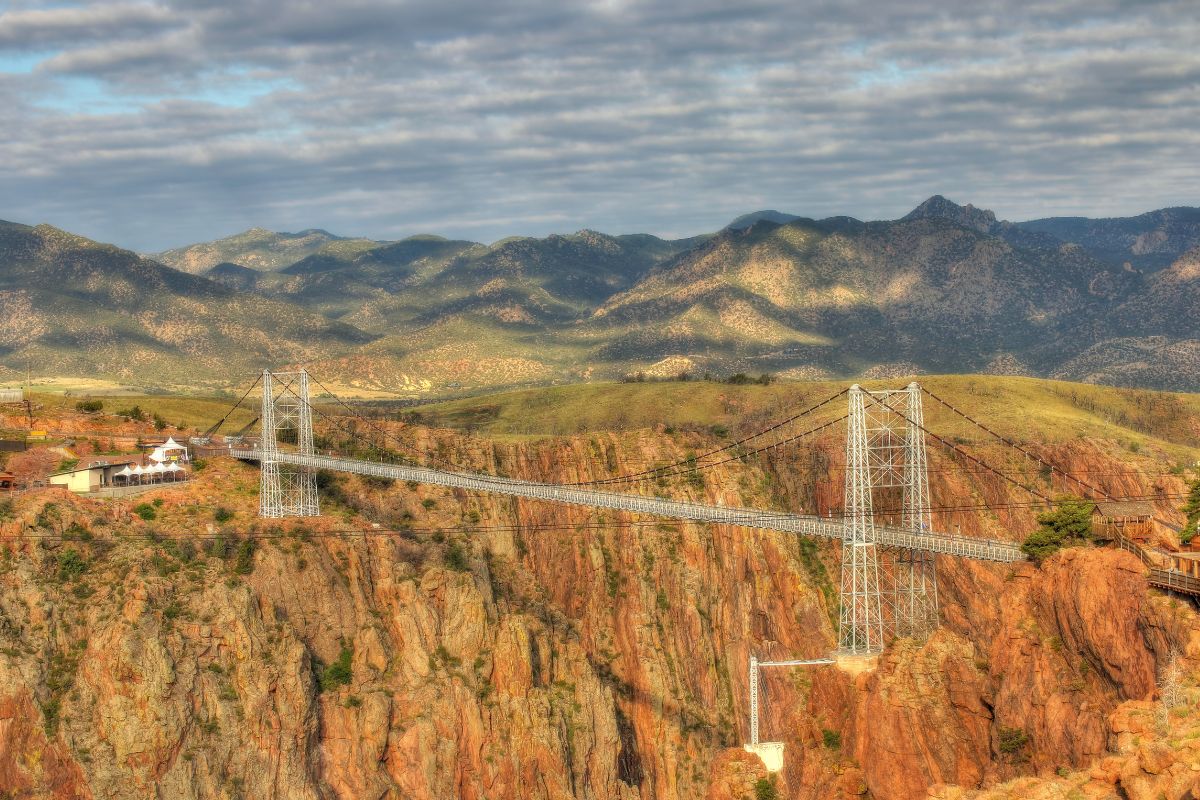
(482, 647)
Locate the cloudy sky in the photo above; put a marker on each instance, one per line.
(154, 124)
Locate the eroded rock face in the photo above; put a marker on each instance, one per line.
(561, 653)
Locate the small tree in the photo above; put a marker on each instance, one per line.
(89, 406)
(339, 673)
(1012, 740)
(1070, 522)
(765, 789)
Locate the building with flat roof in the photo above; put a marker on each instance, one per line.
(90, 475)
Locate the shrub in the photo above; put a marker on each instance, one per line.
(832, 739)
(145, 511)
(339, 673)
(159, 422)
(136, 414)
(456, 558)
(222, 514)
(1011, 740)
(429, 503)
(244, 564)
(1191, 510)
(764, 789)
(1070, 522)
(739, 379)
(71, 565)
(218, 547)
(89, 406)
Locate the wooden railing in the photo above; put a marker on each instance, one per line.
(1170, 579)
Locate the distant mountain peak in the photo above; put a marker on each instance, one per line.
(938, 207)
(770, 215)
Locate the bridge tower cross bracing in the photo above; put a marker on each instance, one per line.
(286, 490)
(891, 593)
(916, 572)
(860, 623)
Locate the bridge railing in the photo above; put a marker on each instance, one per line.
(807, 525)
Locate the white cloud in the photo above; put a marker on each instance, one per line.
(484, 119)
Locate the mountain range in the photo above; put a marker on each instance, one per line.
(946, 288)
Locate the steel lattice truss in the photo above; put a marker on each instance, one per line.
(286, 489)
(885, 592)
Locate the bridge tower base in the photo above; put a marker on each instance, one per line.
(286, 490)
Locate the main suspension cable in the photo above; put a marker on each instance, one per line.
(963, 453)
(212, 431)
(694, 460)
(1017, 447)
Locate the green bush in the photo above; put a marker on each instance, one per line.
(832, 739)
(1070, 522)
(456, 558)
(222, 514)
(244, 563)
(145, 511)
(338, 673)
(1191, 510)
(89, 406)
(1011, 740)
(71, 565)
(136, 414)
(764, 789)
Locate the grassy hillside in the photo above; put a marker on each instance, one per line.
(1028, 409)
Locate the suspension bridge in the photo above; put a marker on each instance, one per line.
(888, 573)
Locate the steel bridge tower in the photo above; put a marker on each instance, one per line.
(892, 593)
(286, 490)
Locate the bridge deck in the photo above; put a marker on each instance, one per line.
(807, 525)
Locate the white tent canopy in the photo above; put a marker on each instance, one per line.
(170, 444)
